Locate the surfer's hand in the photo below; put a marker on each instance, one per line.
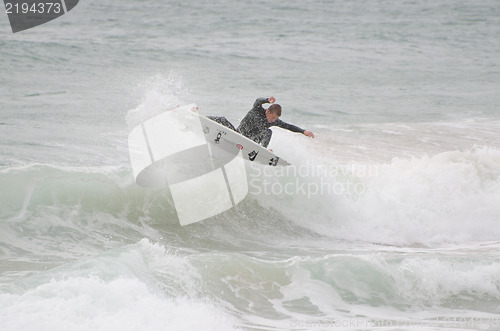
(271, 99)
(309, 134)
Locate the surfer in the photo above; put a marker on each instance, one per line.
(255, 125)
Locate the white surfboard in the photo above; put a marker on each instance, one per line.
(231, 141)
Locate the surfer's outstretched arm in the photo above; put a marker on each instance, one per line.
(293, 128)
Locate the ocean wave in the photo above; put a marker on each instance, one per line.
(449, 197)
(110, 291)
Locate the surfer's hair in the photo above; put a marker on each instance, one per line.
(275, 109)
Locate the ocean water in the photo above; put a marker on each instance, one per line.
(388, 219)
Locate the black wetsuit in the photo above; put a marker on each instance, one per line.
(255, 124)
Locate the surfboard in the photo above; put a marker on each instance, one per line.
(231, 141)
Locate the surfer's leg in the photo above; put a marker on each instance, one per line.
(222, 120)
(257, 138)
(263, 138)
(266, 137)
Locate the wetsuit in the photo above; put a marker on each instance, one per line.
(256, 126)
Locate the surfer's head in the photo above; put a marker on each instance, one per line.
(273, 113)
